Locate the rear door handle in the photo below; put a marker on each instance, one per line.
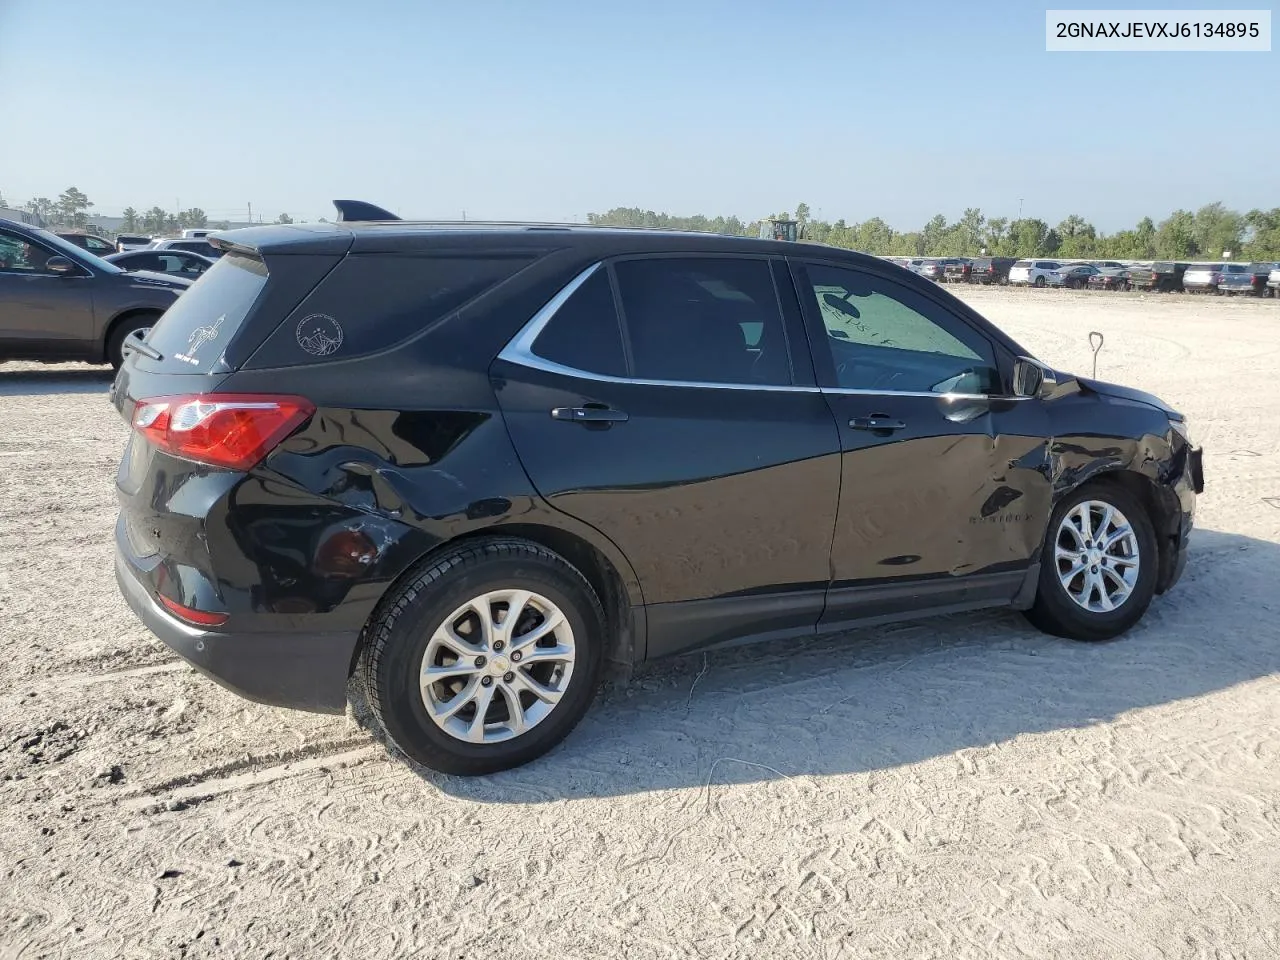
(590, 413)
(876, 423)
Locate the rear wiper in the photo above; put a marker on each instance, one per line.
(135, 342)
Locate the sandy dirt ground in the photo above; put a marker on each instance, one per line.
(955, 788)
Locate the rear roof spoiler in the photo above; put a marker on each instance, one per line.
(359, 210)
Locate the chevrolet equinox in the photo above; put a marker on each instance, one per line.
(473, 464)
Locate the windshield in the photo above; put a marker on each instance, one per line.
(76, 254)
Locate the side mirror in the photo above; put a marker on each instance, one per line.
(61, 266)
(1032, 378)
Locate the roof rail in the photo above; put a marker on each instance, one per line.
(360, 210)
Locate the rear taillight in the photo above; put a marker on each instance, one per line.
(201, 618)
(233, 430)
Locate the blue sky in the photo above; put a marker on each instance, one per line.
(549, 110)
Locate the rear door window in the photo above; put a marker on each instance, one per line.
(703, 320)
(194, 332)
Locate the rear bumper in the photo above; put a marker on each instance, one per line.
(301, 670)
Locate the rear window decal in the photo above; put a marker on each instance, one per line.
(319, 335)
(199, 337)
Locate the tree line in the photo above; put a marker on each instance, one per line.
(1207, 232)
(71, 210)
(1183, 235)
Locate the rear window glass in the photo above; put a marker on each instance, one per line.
(195, 331)
(1207, 266)
(1023, 263)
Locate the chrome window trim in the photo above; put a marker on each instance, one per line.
(519, 351)
(534, 362)
(852, 392)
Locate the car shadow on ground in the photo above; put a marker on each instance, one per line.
(883, 697)
(24, 381)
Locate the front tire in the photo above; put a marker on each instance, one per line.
(486, 658)
(1039, 281)
(1098, 565)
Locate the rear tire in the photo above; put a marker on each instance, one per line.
(115, 345)
(1039, 281)
(438, 610)
(1107, 596)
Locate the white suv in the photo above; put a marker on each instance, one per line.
(1036, 273)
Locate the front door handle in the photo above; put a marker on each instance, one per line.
(877, 423)
(590, 413)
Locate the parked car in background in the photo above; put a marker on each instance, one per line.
(1072, 275)
(915, 264)
(477, 549)
(1252, 282)
(934, 268)
(1205, 277)
(1107, 264)
(87, 241)
(1273, 282)
(931, 269)
(1163, 276)
(956, 270)
(1035, 273)
(132, 241)
(59, 302)
(180, 263)
(990, 269)
(1110, 278)
(201, 246)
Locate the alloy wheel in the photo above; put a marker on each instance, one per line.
(497, 666)
(1097, 557)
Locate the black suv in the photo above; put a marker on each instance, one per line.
(1160, 277)
(473, 463)
(991, 270)
(59, 302)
